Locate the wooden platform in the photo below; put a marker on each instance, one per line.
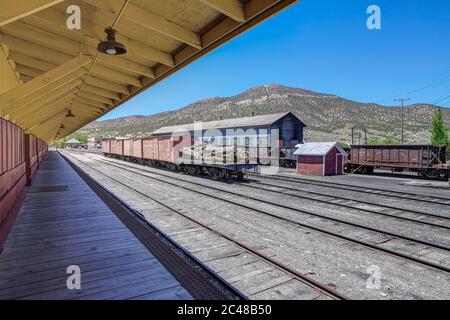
(63, 223)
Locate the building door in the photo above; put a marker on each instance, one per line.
(339, 164)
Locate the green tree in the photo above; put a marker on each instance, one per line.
(81, 136)
(385, 140)
(344, 145)
(60, 143)
(439, 132)
(390, 140)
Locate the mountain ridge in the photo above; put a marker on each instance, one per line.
(328, 116)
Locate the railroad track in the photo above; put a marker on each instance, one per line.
(322, 288)
(368, 190)
(199, 280)
(332, 198)
(124, 166)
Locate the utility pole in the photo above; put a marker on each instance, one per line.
(402, 100)
(353, 131)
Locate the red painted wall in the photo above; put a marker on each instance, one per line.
(314, 164)
(339, 164)
(19, 160)
(330, 163)
(310, 165)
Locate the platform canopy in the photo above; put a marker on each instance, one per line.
(65, 83)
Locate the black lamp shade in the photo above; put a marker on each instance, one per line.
(111, 46)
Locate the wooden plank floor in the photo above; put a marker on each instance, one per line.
(63, 223)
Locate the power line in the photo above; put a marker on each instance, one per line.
(442, 100)
(445, 79)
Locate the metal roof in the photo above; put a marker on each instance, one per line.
(317, 148)
(255, 121)
(53, 68)
(73, 141)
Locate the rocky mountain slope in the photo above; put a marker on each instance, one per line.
(328, 117)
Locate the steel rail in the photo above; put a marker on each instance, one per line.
(342, 186)
(286, 269)
(182, 264)
(353, 207)
(398, 236)
(319, 229)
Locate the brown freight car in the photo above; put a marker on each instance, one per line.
(426, 160)
(167, 151)
(106, 146)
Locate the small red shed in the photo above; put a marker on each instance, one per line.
(320, 158)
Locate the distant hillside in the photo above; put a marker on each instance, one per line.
(328, 117)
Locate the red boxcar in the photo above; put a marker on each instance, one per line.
(167, 151)
(128, 148)
(150, 148)
(137, 148)
(117, 147)
(106, 146)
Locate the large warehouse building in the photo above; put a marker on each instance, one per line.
(259, 130)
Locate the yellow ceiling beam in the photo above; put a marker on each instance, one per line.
(79, 105)
(231, 8)
(22, 92)
(90, 38)
(31, 72)
(35, 97)
(102, 92)
(57, 113)
(89, 102)
(151, 21)
(103, 88)
(58, 106)
(31, 114)
(11, 11)
(126, 65)
(95, 97)
(25, 32)
(108, 85)
(41, 52)
(34, 50)
(50, 41)
(31, 62)
(77, 108)
(51, 101)
(49, 126)
(115, 76)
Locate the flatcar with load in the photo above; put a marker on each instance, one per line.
(181, 153)
(425, 159)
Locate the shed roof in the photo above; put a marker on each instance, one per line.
(73, 141)
(318, 148)
(255, 121)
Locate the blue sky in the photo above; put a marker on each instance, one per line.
(324, 46)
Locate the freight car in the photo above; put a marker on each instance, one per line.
(20, 156)
(177, 153)
(266, 137)
(426, 160)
